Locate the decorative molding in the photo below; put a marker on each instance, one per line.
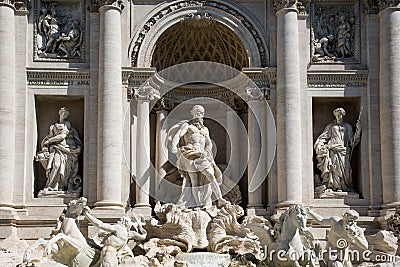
(337, 80)
(280, 4)
(94, 5)
(253, 93)
(371, 6)
(18, 5)
(188, 4)
(57, 78)
(146, 93)
(383, 4)
(67, 43)
(335, 32)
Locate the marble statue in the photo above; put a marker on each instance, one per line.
(70, 247)
(290, 236)
(191, 142)
(334, 149)
(343, 232)
(59, 157)
(115, 238)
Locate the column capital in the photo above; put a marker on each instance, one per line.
(163, 104)
(18, 5)
(293, 4)
(253, 93)
(371, 6)
(383, 4)
(94, 5)
(146, 93)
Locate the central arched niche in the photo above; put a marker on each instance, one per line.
(199, 38)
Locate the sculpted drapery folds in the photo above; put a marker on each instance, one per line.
(59, 156)
(334, 149)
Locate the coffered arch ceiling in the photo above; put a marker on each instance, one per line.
(199, 38)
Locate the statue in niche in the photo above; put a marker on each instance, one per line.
(59, 157)
(334, 148)
(191, 142)
(333, 34)
(57, 36)
(343, 232)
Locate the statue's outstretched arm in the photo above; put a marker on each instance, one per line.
(96, 222)
(319, 219)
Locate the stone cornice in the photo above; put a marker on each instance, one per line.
(94, 5)
(57, 78)
(383, 4)
(334, 79)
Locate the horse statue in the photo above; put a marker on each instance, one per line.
(291, 242)
(67, 245)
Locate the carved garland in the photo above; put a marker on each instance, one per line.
(172, 8)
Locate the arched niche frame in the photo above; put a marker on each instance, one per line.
(166, 15)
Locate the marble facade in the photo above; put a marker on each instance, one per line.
(119, 116)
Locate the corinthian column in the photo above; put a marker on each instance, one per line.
(389, 83)
(288, 105)
(143, 95)
(7, 103)
(109, 158)
(255, 175)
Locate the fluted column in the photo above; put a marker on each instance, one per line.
(143, 95)
(161, 109)
(288, 105)
(109, 158)
(254, 168)
(7, 103)
(389, 83)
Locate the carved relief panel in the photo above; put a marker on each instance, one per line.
(59, 31)
(335, 32)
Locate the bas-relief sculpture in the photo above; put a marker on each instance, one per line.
(334, 149)
(191, 143)
(58, 36)
(333, 34)
(59, 154)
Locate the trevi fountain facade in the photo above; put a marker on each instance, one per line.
(199, 133)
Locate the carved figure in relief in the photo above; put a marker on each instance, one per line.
(191, 142)
(70, 42)
(59, 156)
(343, 38)
(343, 232)
(57, 36)
(334, 149)
(333, 34)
